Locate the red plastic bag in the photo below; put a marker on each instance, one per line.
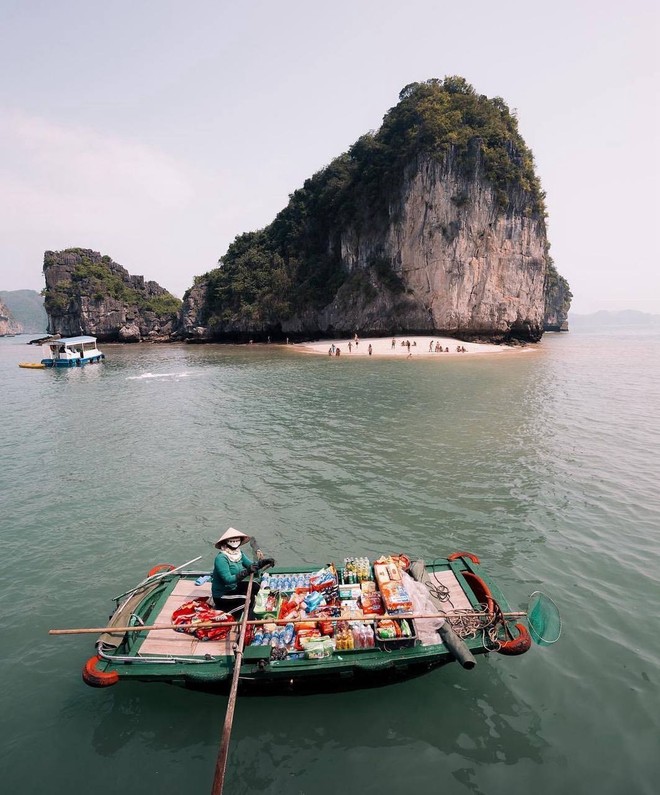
(198, 611)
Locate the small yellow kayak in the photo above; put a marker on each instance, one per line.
(32, 365)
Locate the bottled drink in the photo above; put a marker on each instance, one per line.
(288, 634)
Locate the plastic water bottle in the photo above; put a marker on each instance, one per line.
(288, 634)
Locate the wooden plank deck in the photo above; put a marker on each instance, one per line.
(446, 582)
(457, 598)
(170, 642)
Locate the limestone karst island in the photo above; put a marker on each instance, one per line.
(434, 224)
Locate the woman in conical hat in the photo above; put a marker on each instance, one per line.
(230, 535)
(230, 571)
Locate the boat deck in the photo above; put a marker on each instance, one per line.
(456, 598)
(169, 641)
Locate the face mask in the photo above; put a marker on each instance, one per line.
(233, 543)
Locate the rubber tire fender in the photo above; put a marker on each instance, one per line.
(95, 678)
(457, 555)
(480, 590)
(160, 568)
(518, 645)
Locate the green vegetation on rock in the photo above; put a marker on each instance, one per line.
(295, 263)
(99, 278)
(99, 281)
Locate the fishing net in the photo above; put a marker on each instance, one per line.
(543, 619)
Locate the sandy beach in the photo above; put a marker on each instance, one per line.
(420, 346)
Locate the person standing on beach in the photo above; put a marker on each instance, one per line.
(369, 349)
(393, 343)
(350, 346)
(408, 345)
(357, 341)
(431, 346)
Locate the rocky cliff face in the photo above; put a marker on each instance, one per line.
(448, 260)
(557, 301)
(193, 321)
(87, 293)
(8, 323)
(466, 268)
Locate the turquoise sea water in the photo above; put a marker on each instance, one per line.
(545, 464)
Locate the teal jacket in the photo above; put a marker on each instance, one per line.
(223, 581)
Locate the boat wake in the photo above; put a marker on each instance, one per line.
(173, 376)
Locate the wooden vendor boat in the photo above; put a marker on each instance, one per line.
(363, 632)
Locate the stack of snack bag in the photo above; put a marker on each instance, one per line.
(395, 597)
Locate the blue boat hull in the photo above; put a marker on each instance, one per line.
(72, 362)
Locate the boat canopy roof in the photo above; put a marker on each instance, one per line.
(74, 340)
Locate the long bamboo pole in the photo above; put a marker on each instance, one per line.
(221, 761)
(334, 619)
(158, 576)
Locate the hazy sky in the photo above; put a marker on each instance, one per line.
(156, 131)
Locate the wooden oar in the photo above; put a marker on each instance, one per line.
(334, 619)
(221, 761)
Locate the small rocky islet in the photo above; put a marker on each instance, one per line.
(433, 224)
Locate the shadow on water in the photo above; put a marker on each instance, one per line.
(370, 740)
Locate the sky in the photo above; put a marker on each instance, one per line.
(156, 131)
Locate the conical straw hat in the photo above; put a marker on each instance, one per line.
(231, 533)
